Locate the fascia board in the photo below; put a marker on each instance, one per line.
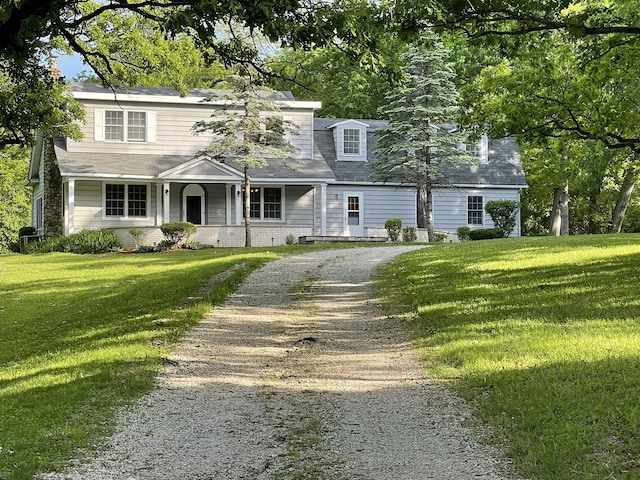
(188, 100)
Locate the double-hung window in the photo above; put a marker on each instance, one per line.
(114, 125)
(475, 210)
(125, 200)
(125, 126)
(265, 203)
(351, 139)
(136, 126)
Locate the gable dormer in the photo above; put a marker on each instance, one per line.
(350, 139)
(479, 149)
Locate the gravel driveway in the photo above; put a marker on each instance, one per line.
(297, 376)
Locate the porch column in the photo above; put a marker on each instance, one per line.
(165, 204)
(71, 206)
(227, 203)
(323, 209)
(159, 204)
(238, 197)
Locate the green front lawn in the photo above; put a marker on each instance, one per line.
(83, 335)
(542, 336)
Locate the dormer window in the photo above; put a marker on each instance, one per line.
(350, 137)
(351, 145)
(479, 150)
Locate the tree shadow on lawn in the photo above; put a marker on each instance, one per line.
(568, 420)
(47, 416)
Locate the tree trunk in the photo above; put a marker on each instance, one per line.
(559, 224)
(425, 210)
(623, 200)
(247, 208)
(592, 225)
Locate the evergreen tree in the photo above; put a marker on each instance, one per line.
(248, 132)
(420, 142)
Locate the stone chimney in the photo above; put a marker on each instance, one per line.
(54, 71)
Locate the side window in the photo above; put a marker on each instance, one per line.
(475, 210)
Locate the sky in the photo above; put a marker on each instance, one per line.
(71, 65)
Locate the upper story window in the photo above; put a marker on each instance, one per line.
(124, 126)
(350, 140)
(479, 150)
(351, 145)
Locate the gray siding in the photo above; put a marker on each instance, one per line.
(88, 208)
(450, 206)
(299, 205)
(174, 135)
(216, 204)
(379, 203)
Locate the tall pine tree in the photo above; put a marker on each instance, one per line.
(420, 142)
(249, 132)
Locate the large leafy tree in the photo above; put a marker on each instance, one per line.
(558, 91)
(14, 194)
(249, 133)
(420, 144)
(31, 30)
(347, 86)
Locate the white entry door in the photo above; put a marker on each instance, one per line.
(353, 214)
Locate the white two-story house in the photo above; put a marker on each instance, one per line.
(139, 165)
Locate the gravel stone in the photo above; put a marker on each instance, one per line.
(298, 375)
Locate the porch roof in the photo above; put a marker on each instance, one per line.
(121, 165)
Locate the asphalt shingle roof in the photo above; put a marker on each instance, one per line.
(504, 166)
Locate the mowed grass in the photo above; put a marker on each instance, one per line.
(83, 335)
(542, 336)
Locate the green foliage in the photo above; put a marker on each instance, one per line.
(503, 213)
(486, 233)
(249, 133)
(138, 236)
(346, 86)
(85, 241)
(198, 246)
(441, 237)
(409, 234)
(632, 219)
(464, 233)
(135, 52)
(177, 234)
(15, 198)
(393, 227)
(415, 147)
(291, 239)
(541, 336)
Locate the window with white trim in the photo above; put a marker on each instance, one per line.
(475, 210)
(265, 203)
(125, 200)
(351, 141)
(125, 126)
(114, 125)
(38, 213)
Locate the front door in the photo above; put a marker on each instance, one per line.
(353, 214)
(194, 209)
(193, 201)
